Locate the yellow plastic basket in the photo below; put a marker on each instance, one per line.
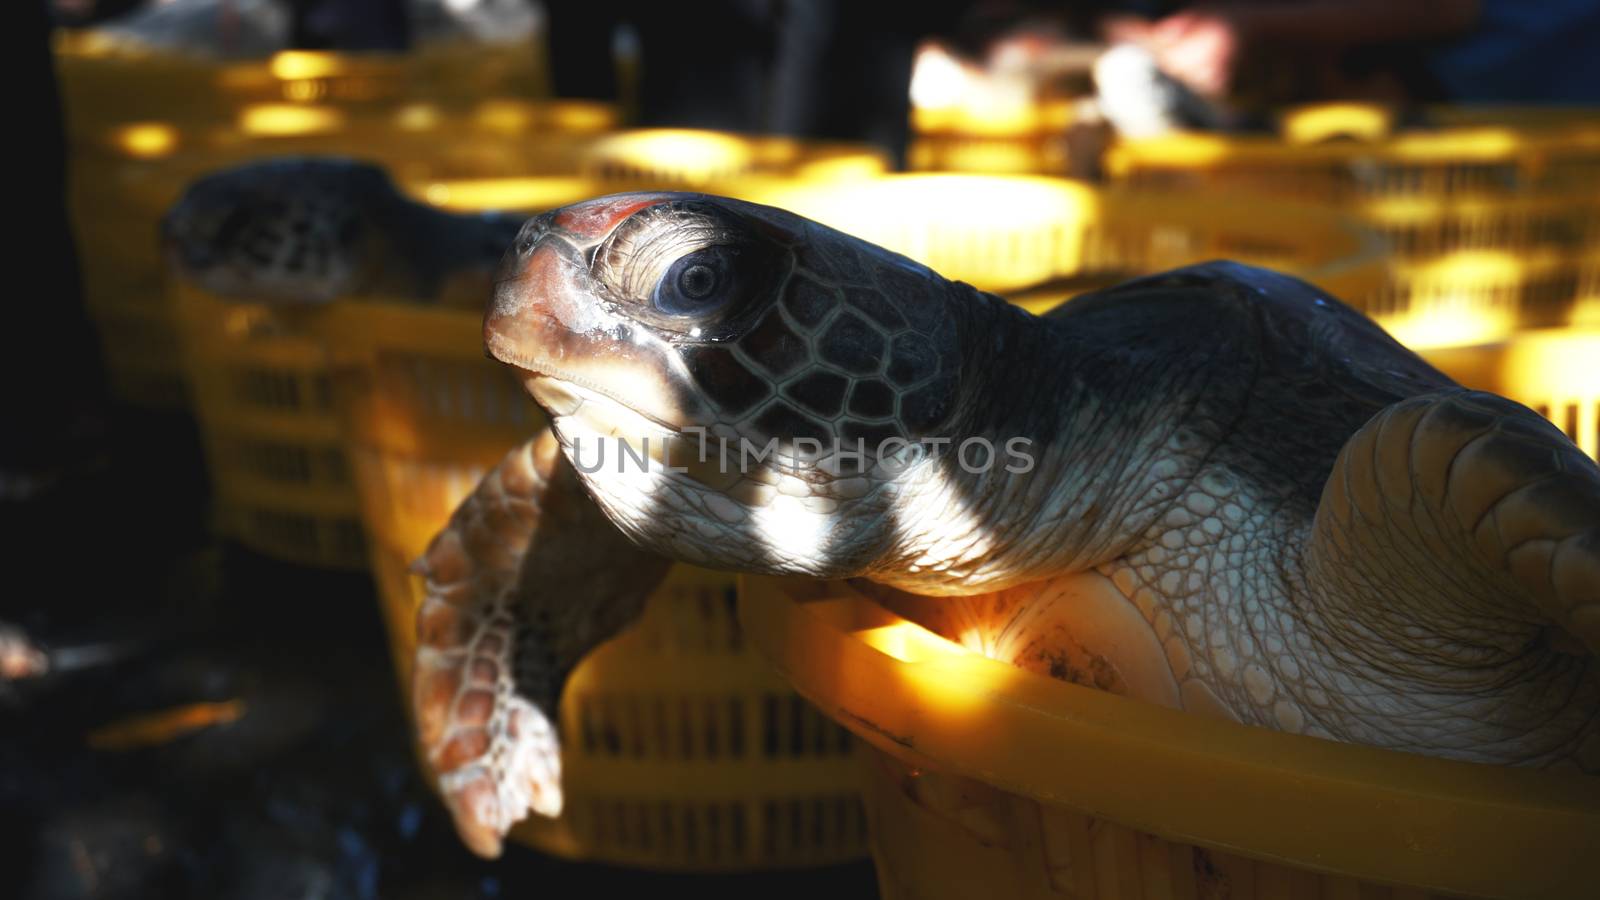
(988, 781)
(1023, 138)
(1492, 225)
(1475, 297)
(273, 444)
(1009, 234)
(711, 162)
(1587, 314)
(683, 750)
(1555, 372)
(695, 160)
(1479, 160)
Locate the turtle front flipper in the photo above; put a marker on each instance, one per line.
(526, 579)
(1453, 577)
(1468, 511)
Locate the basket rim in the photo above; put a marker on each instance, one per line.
(1391, 817)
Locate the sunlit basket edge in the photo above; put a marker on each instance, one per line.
(1378, 816)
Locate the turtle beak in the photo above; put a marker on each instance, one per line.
(543, 288)
(536, 293)
(547, 319)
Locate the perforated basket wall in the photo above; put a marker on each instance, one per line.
(1016, 138)
(1474, 159)
(1493, 225)
(683, 750)
(280, 477)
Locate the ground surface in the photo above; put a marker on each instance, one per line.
(310, 794)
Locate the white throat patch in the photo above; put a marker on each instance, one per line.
(682, 497)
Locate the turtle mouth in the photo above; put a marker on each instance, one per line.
(557, 387)
(581, 412)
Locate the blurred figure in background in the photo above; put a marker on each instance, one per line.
(1506, 51)
(1229, 65)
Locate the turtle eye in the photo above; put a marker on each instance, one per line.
(688, 268)
(699, 283)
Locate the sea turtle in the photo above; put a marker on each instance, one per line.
(1216, 489)
(296, 230)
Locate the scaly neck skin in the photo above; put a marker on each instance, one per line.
(1098, 475)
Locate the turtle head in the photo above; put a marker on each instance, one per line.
(287, 230)
(783, 372)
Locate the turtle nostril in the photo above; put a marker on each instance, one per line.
(534, 229)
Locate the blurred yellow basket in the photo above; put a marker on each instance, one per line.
(683, 750)
(1483, 160)
(712, 162)
(1011, 233)
(1491, 223)
(695, 160)
(988, 781)
(1555, 372)
(1011, 139)
(1474, 297)
(272, 440)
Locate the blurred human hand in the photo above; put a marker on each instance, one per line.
(1199, 47)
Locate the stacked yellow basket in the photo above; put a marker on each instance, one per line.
(1494, 218)
(281, 483)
